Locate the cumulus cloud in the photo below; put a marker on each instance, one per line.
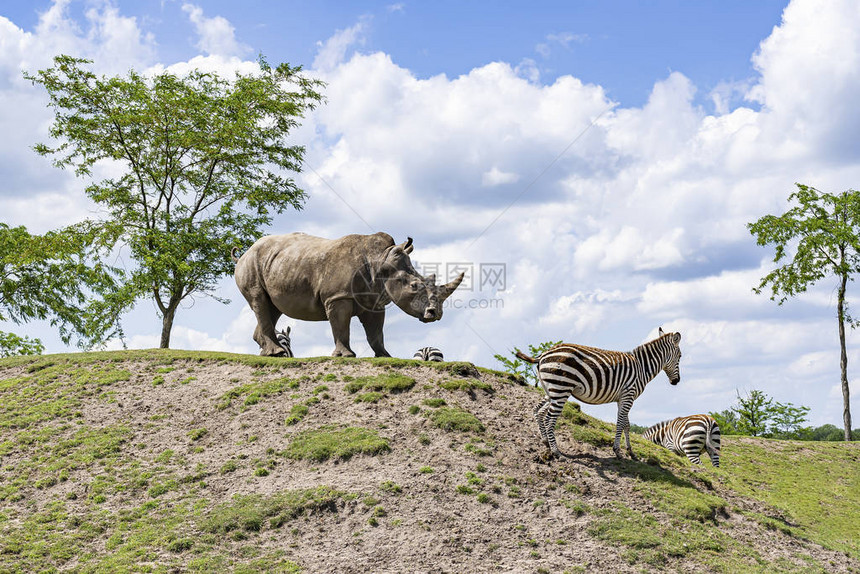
(217, 36)
(333, 51)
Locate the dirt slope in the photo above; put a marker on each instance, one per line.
(174, 461)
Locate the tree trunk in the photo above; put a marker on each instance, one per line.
(167, 326)
(843, 361)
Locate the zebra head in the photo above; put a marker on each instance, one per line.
(283, 339)
(673, 356)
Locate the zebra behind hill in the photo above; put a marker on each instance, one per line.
(283, 339)
(688, 435)
(597, 376)
(428, 354)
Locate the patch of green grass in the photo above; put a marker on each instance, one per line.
(254, 512)
(297, 413)
(426, 470)
(337, 443)
(772, 470)
(390, 486)
(468, 385)
(456, 419)
(256, 391)
(372, 397)
(229, 466)
(384, 383)
(434, 403)
(197, 434)
(479, 447)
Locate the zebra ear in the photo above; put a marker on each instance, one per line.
(677, 337)
(660, 332)
(288, 330)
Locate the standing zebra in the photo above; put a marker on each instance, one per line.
(283, 339)
(428, 354)
(688, 435)
(597, 376)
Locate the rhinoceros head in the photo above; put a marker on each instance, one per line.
(417, 295)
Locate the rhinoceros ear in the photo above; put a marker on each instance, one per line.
(431, 279)
(407, 246)
(446, 290)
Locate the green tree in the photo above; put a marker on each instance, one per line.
(727, 420)
(204, 164)
(786, 421)
(754, 412)
(826, 231)
(519, 367)
(56, 277)
(12, 344)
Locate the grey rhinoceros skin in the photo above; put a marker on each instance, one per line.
(315, 279)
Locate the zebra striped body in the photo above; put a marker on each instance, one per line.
(688, 436)
(283, 339)
(597, 376)
(428, 354)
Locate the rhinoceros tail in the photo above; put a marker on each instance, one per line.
(233, 255)
(525, 357)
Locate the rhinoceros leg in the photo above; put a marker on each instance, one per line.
(339, 315)
(372, 322)
(267, 317)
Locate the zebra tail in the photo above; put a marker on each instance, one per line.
(525, 357)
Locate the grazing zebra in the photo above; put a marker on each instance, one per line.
(688, 435)
(597, 376)
(428, 354)
(283, 339)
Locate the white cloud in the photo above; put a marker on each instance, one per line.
(563, 40)
(496, 177)
(217, 36)
(333, 51)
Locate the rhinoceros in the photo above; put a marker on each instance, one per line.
(315, 279)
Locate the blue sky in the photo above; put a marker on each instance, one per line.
(608, 154)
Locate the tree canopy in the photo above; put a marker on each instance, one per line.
(204, 162)
(56, 277)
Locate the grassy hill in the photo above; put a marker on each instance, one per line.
(165, 461)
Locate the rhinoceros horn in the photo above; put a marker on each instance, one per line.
(446, 290)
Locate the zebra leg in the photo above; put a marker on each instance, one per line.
(540, 416)
(714, 453)
(693, 455)
(554, 410)
(622, 425)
